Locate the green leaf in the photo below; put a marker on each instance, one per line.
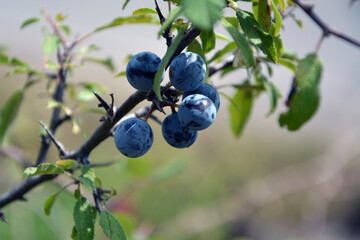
(272, 92)
(240, 110)
(85, 95)
(207, 40)
(278, 19)
(195, 47)
(169, 170)
(66, 29)
(218, 55)
(305, 100)
(141, 11)
(8, 113)
(100, 111)
(233, 21)
(168, 55)
(298, 22)
(120, 74)
(29, 21)
(66, 164)
(222, 37)
(203, 13)
(263, 40)
(263, 15)
(107, 62)
(125, 3)
(88, 172)
(83, 217)
(50, 201)
(52, 65)
(77, 193)
(290, 64)
(42, 169)
(48, 204)
(282, 5)
(4, 59)
(74, 234)
(88, 177)
(54, 104)
(87, 49)
(87, 182)
(170, 19)
(50, 43)
(111, 226)
(241, 42)
(145, 18)
(60, 17)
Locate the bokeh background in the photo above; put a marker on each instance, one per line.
(268, 184)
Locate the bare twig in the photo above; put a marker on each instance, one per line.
(56, 29)
(58, 145)
(167, 33)
(308, 9)
(97, 199)
(186, 39)
(104, 130)
(17, 193)
(215, 69)
(16, 154)
(2, 216)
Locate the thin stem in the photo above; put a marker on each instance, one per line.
(327, 31)
(18, 192)
(56, 28)
(317, 49)
(58, 145)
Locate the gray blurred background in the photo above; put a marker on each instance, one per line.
(268, 184)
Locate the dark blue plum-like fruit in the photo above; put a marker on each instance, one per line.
(187, 71)
(176, 134)
(133, 137)
(208, 91)
(197, 112)
(141, 70)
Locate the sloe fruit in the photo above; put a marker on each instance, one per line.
(176, 134)
(133, 137)
(141, 70)
(187, 71)
(196, 112)
(208, 91)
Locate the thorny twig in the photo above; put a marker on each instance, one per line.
(327, 31)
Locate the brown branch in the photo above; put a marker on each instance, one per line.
(15, 154)
(17, 193)
(104, 130)
(167, 33)
(56, 28)
(308, 9)
(58, 145)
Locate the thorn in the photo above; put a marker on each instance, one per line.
(22, 198)
(59, 146)
(102, 102)
(161, 17)
(2, 216)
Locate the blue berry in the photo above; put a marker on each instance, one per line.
(208, 91)
(187, 71)
(176, 134)
(141, 70)
(196, 112)
(133, 137)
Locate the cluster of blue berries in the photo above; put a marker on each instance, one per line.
(197, 111)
